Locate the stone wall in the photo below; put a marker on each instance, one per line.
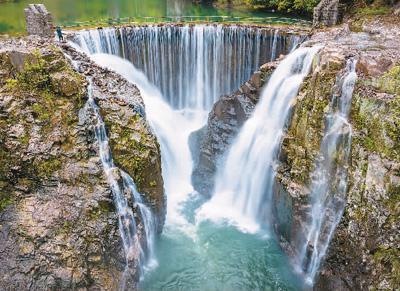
(39, 21)
(328, 13)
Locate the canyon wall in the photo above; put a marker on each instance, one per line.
(58, 223)
(364, 252)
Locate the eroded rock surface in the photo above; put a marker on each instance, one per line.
(210, 143)
(364, 253)
(58, 226)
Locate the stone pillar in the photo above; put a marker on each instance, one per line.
(328, 13)
(39, 21)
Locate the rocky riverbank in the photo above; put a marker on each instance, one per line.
(58, 225)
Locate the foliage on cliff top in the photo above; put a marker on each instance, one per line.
(302, 6)
(361, 7)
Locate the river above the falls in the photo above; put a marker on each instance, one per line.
(95, 12)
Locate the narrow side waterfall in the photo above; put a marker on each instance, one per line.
(244, 185)
(329, 180)
(192, 65)
(126, 218)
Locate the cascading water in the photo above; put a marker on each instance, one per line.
(127, 223)
(190, 255)
(176, 157)
(191, 65)
(329, 180)
(244, 186)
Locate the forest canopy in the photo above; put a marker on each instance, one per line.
(305, 6)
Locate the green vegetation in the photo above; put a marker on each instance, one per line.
(380, 135)
(389, 258)
(302, 6)
(5, 200)
(370, 8)
(372, 11)
(35, 97)
(307, 126)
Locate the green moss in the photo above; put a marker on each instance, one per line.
(390, 81)
(5, 201)
(389, 259)
(308, 122)
(378, 121)
(373, 11)
(104, 208)
(41, 112)
(45, 169)
(35, 75)
(130, 147)
(11, 84)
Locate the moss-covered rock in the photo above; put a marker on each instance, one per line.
(136, 151)
(58, 226)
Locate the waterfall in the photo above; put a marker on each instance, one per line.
(244, 185)
(329, 180)
(175, 152)
(181, 71)
(126, 218)
(159, 69)
(192, 65)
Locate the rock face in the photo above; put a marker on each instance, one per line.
(134, 147)
(210, 143)
(327, 13)
(39, 21)
(364, 252)
(58, 226)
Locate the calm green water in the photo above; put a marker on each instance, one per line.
(209, 256)
(69, 12)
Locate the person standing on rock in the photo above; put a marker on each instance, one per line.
(59, 33)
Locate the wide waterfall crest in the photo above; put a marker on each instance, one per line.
(244, 186)
(187, 252)
(192, 65)
(329, 180)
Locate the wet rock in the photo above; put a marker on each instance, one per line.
(227, 116)
(365, 237)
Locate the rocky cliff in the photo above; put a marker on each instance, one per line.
(58, 225)
(228, 114)
(364, 253)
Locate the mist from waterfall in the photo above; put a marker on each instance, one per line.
(192, 65)
(244, 185)
(329, 180)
